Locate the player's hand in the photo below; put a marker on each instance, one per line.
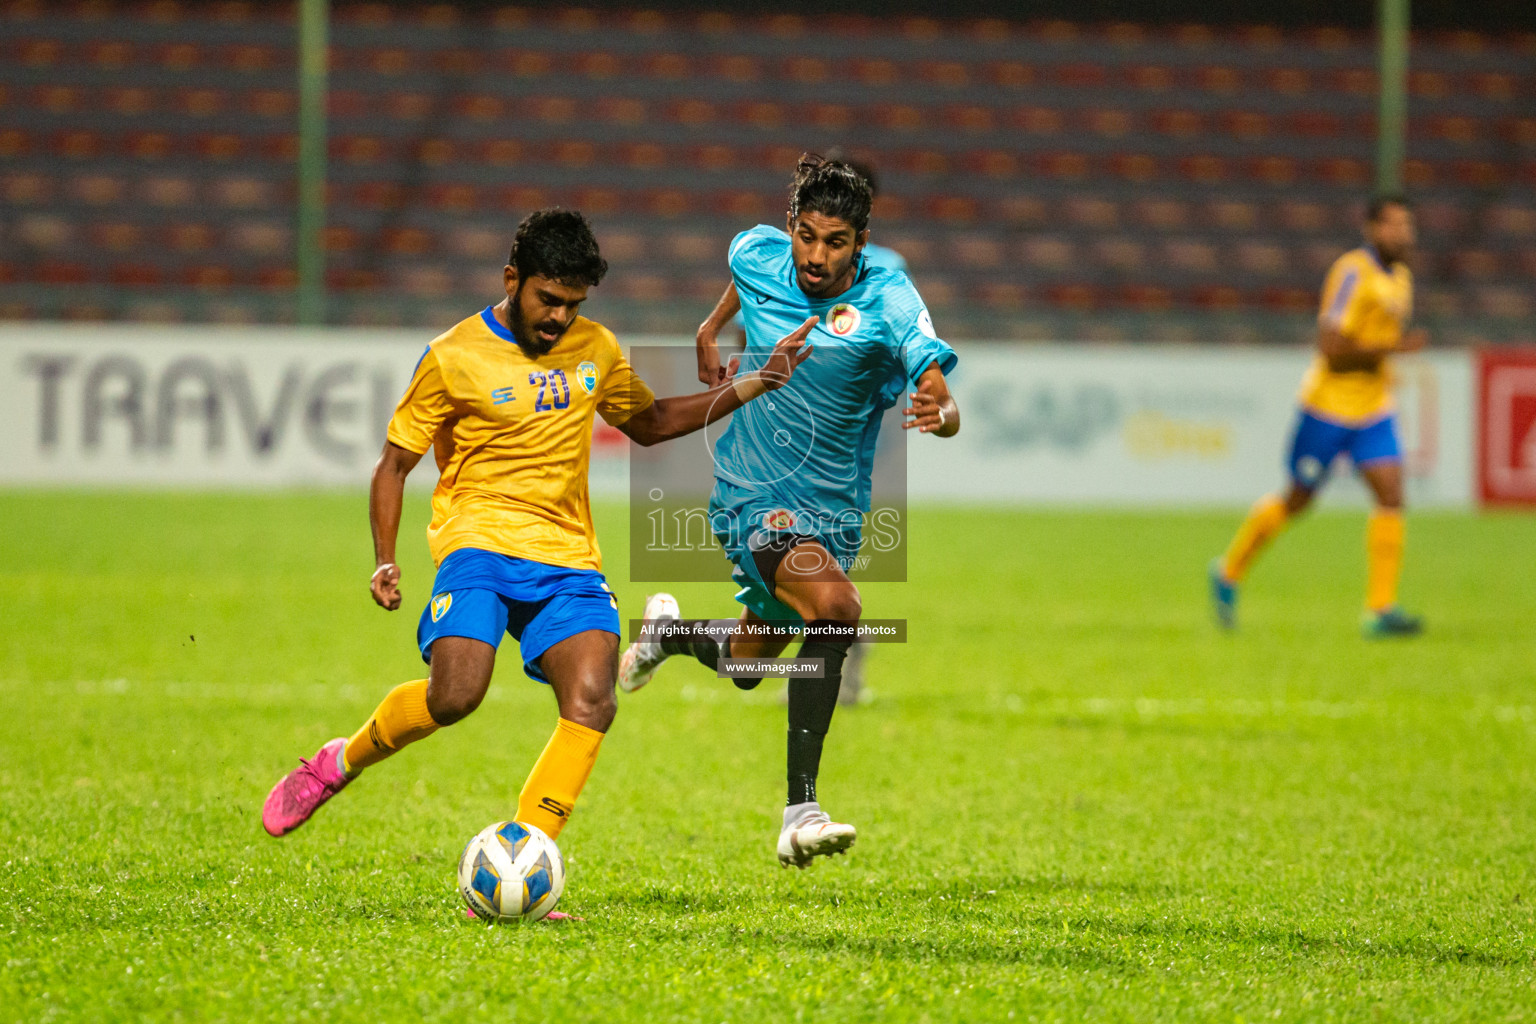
(1415, 340)
(928, 414)
(789, 353)
(711, 373)
(385, 586)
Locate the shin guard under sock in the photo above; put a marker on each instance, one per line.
(401, 718)
(811, 704)
(549, 796)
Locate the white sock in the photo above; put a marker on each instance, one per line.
(795, 812)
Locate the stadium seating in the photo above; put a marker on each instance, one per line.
(1038, 176)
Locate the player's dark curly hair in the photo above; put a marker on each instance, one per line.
(831, 188)
(557, 244)
(862, 168)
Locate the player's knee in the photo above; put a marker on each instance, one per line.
(447, 705)
(842, 604)
(593, 706)
(1389, 495)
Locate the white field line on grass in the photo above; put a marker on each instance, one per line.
(1005, 706)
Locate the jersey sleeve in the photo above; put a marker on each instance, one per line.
(885, 256)
(1341, 302)
(622, 392)
(752, 253)
(911, 331)
(425, 407)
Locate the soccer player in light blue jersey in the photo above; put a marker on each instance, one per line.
(792, 483)
(876, 256)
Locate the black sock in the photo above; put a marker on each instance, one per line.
(804, 760)
(811, 704)
(709, 649)
(742, 682)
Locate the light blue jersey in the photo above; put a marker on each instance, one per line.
(884, 256)
(874, 255)
(800, 459)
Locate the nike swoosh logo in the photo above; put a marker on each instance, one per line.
(762, 299)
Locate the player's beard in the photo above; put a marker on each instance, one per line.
(835, 279)
(527, 335)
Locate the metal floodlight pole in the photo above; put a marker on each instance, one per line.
(314, 18)
(1392, 119)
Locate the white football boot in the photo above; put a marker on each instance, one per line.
(808, 833)
(641, 660)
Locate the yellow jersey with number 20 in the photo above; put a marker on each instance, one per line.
(513, 437)
(1369, 304)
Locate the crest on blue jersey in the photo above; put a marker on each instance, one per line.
(440, 605)
(843, 319)
(779, 519)
(588, 372)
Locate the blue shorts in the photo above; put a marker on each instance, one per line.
(483, 595)
(1318, 442)
(756, 593)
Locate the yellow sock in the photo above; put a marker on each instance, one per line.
(401, 718)
(1384, 536)
(556, 781)
(1265, 520)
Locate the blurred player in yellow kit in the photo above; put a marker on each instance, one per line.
(1347, 407)
(506, 400)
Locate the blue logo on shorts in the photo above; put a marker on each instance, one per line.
(440, 605)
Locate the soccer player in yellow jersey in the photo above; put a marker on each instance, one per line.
(1346, 407)
(505, 400)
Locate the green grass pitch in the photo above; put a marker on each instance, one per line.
(1076, 801)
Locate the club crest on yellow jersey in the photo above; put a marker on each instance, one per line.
(440, 605)
(587, 371)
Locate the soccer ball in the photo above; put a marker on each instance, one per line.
(511, 872)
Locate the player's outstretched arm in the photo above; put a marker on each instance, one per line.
(933, 409)
(706, 339)
(385, 496)
(667, 418)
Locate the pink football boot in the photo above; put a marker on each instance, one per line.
(303, 790)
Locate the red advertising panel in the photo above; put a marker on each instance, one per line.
(1506, 422)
